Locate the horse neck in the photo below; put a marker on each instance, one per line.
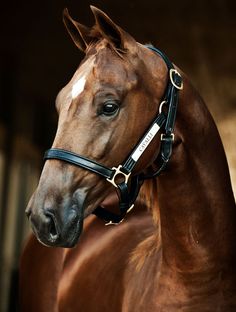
(195, 199)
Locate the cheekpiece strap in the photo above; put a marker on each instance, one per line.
(174, 85)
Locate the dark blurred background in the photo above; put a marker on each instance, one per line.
(38, 58)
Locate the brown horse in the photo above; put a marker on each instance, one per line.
(176, 250)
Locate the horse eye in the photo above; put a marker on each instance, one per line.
(110, 108)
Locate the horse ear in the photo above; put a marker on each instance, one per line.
(79, 33)
(112, 32)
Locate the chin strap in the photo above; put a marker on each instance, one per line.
(120, 177)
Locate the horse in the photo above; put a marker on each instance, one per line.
(133, 133)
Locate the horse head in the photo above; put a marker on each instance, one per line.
(103, 111)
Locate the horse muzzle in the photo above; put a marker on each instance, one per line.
(58, 225)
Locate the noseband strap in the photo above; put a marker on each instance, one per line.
(128, 186)
(78, 160)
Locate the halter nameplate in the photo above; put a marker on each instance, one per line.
(145, 142)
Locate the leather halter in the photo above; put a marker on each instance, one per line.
(120, 177)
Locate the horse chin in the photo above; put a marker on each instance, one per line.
(71, 238)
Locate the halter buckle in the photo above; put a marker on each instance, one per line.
(172, 72)
(117, 223)
(113, 223)
(118, 172)
(164, 137)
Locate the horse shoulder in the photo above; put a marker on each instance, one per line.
(94, 271)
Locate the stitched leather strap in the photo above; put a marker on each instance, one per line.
(78, 160)
(148, 136)
(126, 202)
(162, 55)
(171, 98)
(163, 157)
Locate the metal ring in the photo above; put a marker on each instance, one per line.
(117, 172)
(161, 105)
(130, 208)
(174, 71)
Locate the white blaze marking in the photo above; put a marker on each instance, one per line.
(78, 87)
(79, 79)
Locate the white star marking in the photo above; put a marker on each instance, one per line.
(78, 87)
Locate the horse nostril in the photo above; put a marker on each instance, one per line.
(53, 231)
(52, 227)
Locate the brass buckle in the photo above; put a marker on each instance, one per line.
(118, 172)
(163, 138)
(113, 223)
(174, 71)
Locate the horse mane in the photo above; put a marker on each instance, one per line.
(151, 244)
(148, 197)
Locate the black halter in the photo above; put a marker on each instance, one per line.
(121, 175)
